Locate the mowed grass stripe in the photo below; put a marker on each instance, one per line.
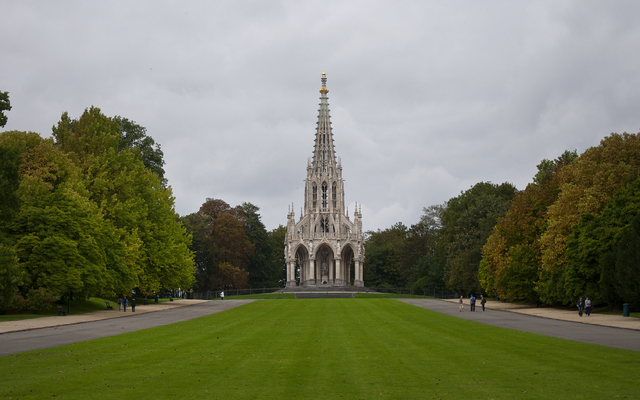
(324, 348)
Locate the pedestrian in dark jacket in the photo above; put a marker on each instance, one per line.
(472, 302)
(133, 304)
(580, 306)
(125, 302)
(483, 301)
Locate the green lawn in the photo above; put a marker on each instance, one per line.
(324, 349)
(360, 295)
(259, 296)
(77, 307)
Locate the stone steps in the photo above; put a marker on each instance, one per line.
(298, 289)
(325, 295)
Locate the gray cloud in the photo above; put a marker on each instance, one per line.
(427, 98)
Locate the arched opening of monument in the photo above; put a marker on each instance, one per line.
(302, 264)
(346, 270)
(325, 265)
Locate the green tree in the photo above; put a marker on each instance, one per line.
(10, 160)
(206, 263)
(132, 197)
(5, 105)
(627, 259)
(427, 255)
(134, 137)
(278, 264)
(511, 257)
(383, 253)
(221, 236)
(11, 275)
(586, 187)
(261, 272)
(58, 232)
(599, 249)
(467, 223)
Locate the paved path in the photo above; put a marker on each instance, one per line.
(582, 332)
(37, 339)
(562, 313)
(48, 322)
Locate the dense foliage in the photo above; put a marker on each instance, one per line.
(443, 250)
(233, 248)
(574, 231)
(88, 212)
(5, 105)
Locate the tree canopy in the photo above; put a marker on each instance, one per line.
(5, 105)
(232, 247)
(84, 213)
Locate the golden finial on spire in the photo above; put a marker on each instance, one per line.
(324, 89)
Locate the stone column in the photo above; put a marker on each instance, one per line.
(331, 277)
(358, 274)
(338, 271)
(288, 273)
(312, 272)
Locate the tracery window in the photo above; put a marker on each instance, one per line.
(315, 195)
(325, 196)
(324, 224)
(334, 196)
(324, 161)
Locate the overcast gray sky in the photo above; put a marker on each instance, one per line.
(427, 98)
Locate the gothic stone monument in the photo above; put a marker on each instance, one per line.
(324, 245)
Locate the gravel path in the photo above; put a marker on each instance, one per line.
(547, 321)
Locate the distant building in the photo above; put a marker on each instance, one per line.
(325, 245)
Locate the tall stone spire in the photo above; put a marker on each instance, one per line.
(320, 246)
(324, 156)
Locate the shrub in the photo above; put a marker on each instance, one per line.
(39, 300)
(17, 305)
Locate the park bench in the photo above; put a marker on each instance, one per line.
(109, 307)
(61, 311)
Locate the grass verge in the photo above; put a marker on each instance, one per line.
(82, 306)
(324, 349)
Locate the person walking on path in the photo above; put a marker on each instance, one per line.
(580, 306)
(483, 301)
(587, 307)
(222, 295)
(472, 302)
(133, 304)
(120, 304)
(125, 302)
(461, 303)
